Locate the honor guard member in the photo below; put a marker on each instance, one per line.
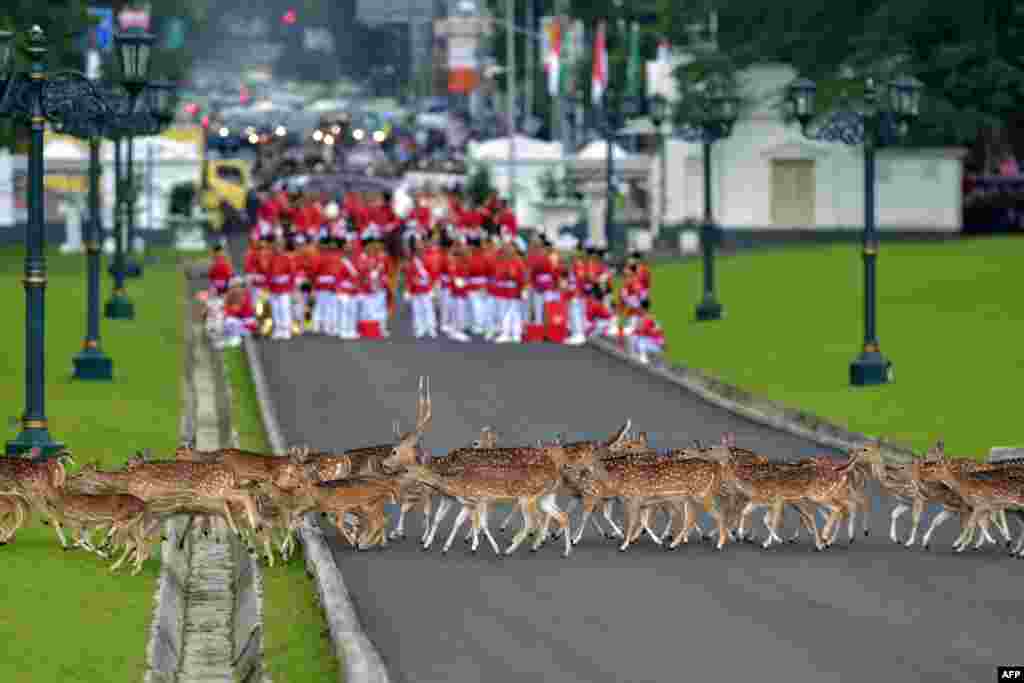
(373, 269)
(220, 271)
(255, 269)
(492, 256)
(458, 272)
(478, 271)
(506, 220)
(239, 313)
(348, 289)
(577, 306)
(325, 284)
(648, 337)
(600, 314)
(643, 271)
(536, 262)
(282, 284)
(512, 281)
(445, 284)
(419, 283)
(632, 295)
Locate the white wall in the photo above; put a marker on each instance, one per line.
(915, 188)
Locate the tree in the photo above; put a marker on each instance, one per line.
(479, 186)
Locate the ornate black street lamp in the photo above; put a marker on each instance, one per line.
(91, 363)
(614, 114)
(37, 98)
(710, 119)
(882, 119)
(134, 57)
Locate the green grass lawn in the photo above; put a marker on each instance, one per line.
(64, 616)
(296, 645)
(950, 318)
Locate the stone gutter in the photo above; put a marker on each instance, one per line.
(745, 404)
(359, 659)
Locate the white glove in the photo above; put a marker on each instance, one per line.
(406, 296)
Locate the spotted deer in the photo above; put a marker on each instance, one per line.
(211, 483)
(364, 497)
(37, 481)
(14, 510)
(83, 512)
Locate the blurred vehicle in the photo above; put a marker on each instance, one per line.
(228, 183)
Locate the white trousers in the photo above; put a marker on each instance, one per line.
(281, 310)
(602, 326)
(346, 315)
(325, 311)
(577, 317)
(511, 311)
(460, 312)
(644, 345)
(445, 304)
(424, 318)
(478, 305)
(537, 302)
(234, 330)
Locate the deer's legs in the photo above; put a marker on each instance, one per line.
(487, 531)
(896, 513)
(631, 525)
(549, 505)
(459, 520)
(916, 512)
(944, 514)
(960, 544)
(607, 512)
(589, 503)
(399, 531)
(428, 505)
(529, 510)
(442, 510)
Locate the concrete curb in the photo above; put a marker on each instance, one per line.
(359, 659)
(743, 403)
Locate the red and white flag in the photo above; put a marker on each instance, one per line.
(663, 51)
(599, 75)
(553, 62)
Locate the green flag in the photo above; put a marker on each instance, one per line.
(634, 87)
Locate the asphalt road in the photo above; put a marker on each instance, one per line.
(871, 612)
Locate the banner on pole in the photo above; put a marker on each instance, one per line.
(101, 35)
(130, 18)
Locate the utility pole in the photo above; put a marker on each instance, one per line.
(510, 74)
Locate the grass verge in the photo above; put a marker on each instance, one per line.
(65, 617)
(296, 646)
(950, 318)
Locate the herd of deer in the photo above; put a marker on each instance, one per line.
(270, 494)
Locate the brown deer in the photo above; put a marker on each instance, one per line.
(210, 483)
(364, 497)
(14, 510)
(37, 480)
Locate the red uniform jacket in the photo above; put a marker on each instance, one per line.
(598, 310)
(478, 270)
(535, 258)
(633, 293)
(240, 307)
(254, 267)
(433, 259)
(418, 279)
(578, 277)
(508, 223)
(648, 327)
(327, 271)
(220, 273)
(422, 217)
(373, 274)
(494, 261)
(348, 274)
(281, 274)
(513, 278)
(645, 275)
(458, 271)
(308, 263)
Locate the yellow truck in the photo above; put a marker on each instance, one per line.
(227, 187)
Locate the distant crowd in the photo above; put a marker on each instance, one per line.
(319, 266)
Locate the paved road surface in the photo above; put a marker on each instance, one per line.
(873, 612)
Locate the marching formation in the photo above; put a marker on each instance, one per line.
(263, 497)
(337, 271)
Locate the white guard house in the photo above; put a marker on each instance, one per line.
(767, 175)
(523, 162)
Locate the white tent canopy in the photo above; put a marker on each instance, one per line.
(500, 149)
(598, 151)
(64, 150)
(162, 150)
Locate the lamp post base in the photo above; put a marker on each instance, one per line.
(34, 438)
(93, 364)
(119, 307)
(709, 309)
(870, 368)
